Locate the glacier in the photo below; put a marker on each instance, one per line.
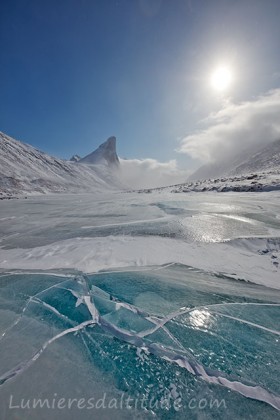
(162, 305)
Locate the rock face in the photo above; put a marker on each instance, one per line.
(105, 154)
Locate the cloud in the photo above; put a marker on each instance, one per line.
(149, 173)
(235, 128)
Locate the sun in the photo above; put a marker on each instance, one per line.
(221, 78)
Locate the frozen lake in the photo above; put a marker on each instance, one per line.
(171, 300)
(204, 217)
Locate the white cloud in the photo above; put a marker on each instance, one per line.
(149, 173)
(235, 128)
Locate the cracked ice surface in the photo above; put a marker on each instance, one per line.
(142, 333)
(163, 301)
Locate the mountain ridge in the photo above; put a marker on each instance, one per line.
(106, 154)
(249, 161)
(27, 170)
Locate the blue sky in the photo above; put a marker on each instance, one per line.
(74, 72)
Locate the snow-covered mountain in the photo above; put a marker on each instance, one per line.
(248, 172)
(266, 159)
(25, 169)
(75, 158)
(105, 154)
(260, 160)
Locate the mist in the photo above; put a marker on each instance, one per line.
(150, 173)
(236, 127)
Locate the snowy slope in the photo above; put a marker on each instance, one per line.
(105, 154)
(25, 169)
(266, 159)
(260, 160)
(262, 181)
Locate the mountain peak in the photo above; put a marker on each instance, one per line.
(105, 154)
(25, 169)
(75, 158)
(110, 142)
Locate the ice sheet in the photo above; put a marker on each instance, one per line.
(191, 329)
(169, 299)
(229, 233)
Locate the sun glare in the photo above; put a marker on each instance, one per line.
(221, 79)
